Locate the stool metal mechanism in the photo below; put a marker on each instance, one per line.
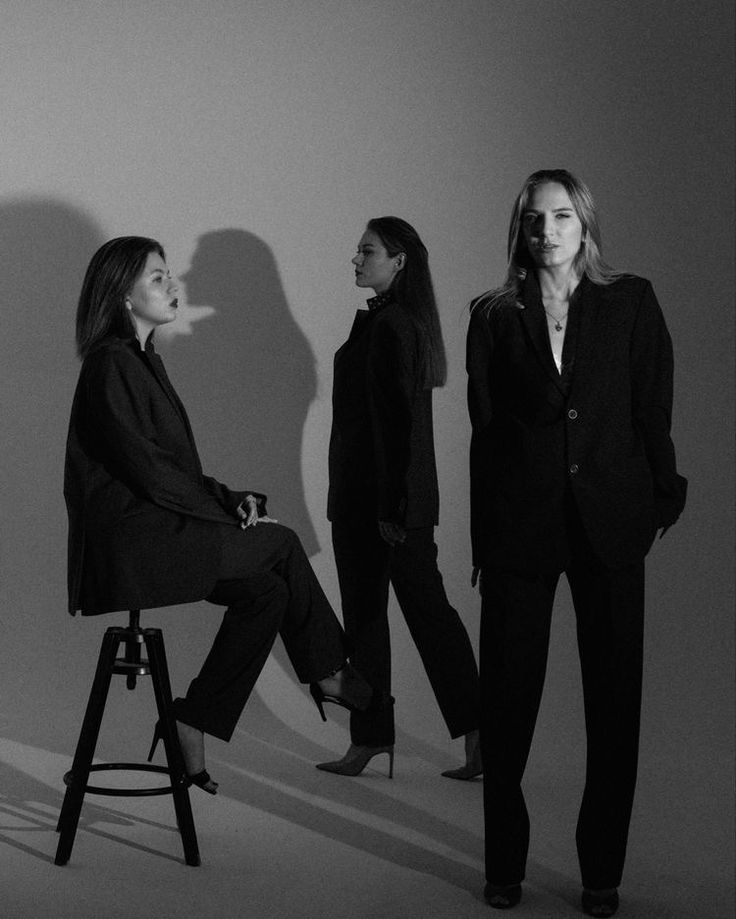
(132, 666)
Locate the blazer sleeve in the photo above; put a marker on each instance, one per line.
(119, 400)
(479, 357)
(392, 383)
(652, 374)
(230, 499)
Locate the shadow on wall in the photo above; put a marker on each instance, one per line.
(247, 373)
(46, 245)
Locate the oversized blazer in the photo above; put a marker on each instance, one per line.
(381, 457)
(599, 433)
(144, 522)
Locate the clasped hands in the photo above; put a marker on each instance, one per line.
(247, 511)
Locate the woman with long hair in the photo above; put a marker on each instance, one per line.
(383, 496)
(148, 529)
(572, 470)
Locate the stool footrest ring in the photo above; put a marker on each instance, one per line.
(127, 792)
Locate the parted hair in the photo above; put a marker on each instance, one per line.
(110, 276)
(413, 289)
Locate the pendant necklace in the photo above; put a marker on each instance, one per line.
(557, 322)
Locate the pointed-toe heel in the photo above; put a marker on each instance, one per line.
(356, 759)
(465, 773)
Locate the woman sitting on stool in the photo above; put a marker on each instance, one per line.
(148, 529)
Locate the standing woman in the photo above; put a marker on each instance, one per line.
(148, 529)
(383, 497)
(572, 470)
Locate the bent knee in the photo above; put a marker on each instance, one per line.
(288, 536)
(268, 585)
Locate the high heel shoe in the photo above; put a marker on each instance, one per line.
(157, 735)
(352, 692)
(473, 762)
(356, 759)
(599, 903)
(201, 779)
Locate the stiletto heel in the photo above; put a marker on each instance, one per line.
(352, 692)
(157, 735)
(319, 698)
(356, 759)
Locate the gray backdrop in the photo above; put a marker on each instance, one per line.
(255, 139)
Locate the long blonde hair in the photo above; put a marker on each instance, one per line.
(589, 260)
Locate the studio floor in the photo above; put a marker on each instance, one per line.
(283, 839)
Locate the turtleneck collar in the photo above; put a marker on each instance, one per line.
(380, 300)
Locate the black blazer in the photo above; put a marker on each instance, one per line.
(600, 432)
(143, 519)
(381, 458)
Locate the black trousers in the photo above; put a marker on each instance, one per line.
(269, 587)
(515, 627)
(366, 565)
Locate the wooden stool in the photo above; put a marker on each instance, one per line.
(77, 779)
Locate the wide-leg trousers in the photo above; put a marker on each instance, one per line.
(269, 587)
(515, 628)
(366, 565)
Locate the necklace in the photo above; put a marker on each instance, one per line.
(557, 322)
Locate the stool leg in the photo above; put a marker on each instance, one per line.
(175, 760)
(78, 777)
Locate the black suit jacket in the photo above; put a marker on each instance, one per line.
(381, 459)
(604, 436)
(143, 519)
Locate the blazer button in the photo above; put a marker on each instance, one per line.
(572, 414)
(574, 468)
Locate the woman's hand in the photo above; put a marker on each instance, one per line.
(247, 511)
(391, 533)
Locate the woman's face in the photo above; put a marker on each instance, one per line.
(551, 227)
(374, 267)
(152, 300)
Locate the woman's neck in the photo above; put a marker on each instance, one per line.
(557, 285)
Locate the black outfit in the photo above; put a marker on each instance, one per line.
(382, 467)
(148, 529)
(573, 472)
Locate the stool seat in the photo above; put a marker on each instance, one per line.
(132, 665)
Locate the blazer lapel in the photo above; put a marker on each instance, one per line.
(590, 332)
(159, 371)
(534, 320)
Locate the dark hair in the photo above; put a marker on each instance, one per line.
(111, 274)
(589, 260)
(413, 290)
